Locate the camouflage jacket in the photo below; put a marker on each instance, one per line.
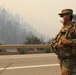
(68, 32)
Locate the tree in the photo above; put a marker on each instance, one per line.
(33, 40)
(30, 40)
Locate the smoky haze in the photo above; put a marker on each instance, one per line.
(13, 30)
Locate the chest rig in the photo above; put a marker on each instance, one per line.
(65, 33)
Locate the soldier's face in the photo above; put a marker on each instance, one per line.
(66, 17)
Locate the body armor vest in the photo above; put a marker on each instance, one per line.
(65, 50)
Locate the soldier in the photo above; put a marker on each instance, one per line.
(64, 45)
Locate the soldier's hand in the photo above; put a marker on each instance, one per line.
(65, 42)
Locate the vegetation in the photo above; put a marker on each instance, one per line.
(30, 40)
(33, 40)
(13, 30)
(22, 51)
(2, 50)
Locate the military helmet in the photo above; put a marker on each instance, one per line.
(66, 11)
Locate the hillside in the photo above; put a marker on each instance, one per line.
(13, 30)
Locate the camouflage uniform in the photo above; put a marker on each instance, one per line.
(66, 53)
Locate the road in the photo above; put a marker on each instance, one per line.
(29, 64)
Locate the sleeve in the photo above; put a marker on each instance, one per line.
(73, 41)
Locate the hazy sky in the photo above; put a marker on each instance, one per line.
(41, 14)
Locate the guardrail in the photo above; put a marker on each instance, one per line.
(14, 46)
